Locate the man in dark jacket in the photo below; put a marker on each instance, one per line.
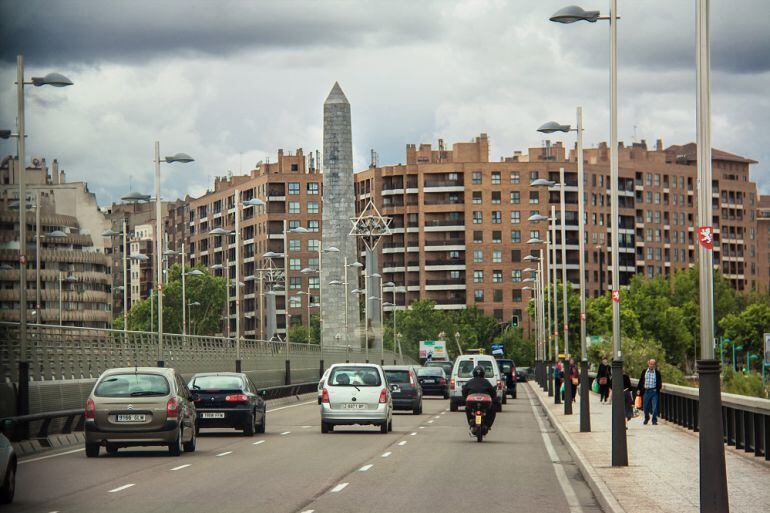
(648, 388)
(480, 385)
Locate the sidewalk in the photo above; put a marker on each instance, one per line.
(662, 475)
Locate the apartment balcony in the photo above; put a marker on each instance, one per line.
(444, 245)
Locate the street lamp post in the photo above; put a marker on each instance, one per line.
(573, 14)
(713, 476)
(556, 391)
(392, 287)
(124, 234)
(55, 80)
(184, 159)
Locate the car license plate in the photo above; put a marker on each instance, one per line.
(354, 406)
(220, 415)
(429, 381)
(133, 417)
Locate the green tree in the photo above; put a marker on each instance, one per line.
(204, 319)
(599, 318)
(636, 354)
(748, 327)
(517, 347)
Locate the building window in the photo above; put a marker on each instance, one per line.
(293, 223)
(313, 244)
(515, 197)
(293, 188)
(295, 282)
(477, 218)
(515, 178)
(294, 245)
(478, 276)
(516, 276)
(657, 180)
(478, 256)
(294, 207)
(312, 188)
(534, 197)
(497, 297)
(515, 217)
(497, 237)
(312, 207)
(495, 177)
(516, 295)
(515, 255)
(478, 237)
(534, 234)
(476, 178)
(294, 168)
(496, 197)
(497, 257)
(648, 179)
(478, 295)
(515, 236)
(295, 302)
(295, 264)
(312, 225)
(314, 282)
(477, 197)
(533, 175)
(497, 276)
(497, 217)
(312, 263)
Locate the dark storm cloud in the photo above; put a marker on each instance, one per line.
(91, 31)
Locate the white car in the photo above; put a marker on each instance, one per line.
(7, 470)
(356, 393)
(462, 372)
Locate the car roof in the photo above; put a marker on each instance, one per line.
(166, 371)
(354, 364)
(397, 367)
(235, 374)
(476, 357)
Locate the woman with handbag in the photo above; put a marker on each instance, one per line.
(574, 378)
(603, 377)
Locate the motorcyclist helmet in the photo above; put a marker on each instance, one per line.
(478, 372)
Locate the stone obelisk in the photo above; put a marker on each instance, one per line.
(338, 210)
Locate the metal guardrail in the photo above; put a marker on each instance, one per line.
(41, 425)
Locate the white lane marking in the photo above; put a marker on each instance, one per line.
(180, 467)
(285, 433)
(309, 511)
(413, 433)
(443, 412)
(436, 417)
(292, 406)
(422, 427)
(561, 475)
(306, 427)
(402, 442)
(120, 488)
(430, 422)
(365, 468)
(52, 455)
(386, 454)
(339, 487)
(224, 453)
(258, 442)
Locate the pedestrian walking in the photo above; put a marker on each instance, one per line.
(648, 389)
(603, 377)
(574, 378)
(559, 374)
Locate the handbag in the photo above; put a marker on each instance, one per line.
(574, 381)
(638, 402)
(603, 381)
(595, 387)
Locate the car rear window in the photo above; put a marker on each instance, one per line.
(217, 383)
(355, 376)
(132, 385)
(465, 368)
(430, 371)
(397, 376)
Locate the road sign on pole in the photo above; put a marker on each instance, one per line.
(767, 348)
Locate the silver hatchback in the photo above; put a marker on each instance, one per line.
(356, 393)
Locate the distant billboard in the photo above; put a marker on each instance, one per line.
(433, 350)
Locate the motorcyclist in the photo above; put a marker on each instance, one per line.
(480, 385)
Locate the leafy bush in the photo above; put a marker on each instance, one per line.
(738, 383)
(636, 354)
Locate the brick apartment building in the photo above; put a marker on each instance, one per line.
(460, 222)
(291, 187)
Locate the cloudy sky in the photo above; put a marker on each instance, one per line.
(230, 82)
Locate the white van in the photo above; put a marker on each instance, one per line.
(462, 372)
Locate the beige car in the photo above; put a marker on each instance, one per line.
(138, 406)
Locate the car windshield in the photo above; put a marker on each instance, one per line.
(354, 376)
(465, 368)
(397, 376)
(430, 371)
(216, 383)
(132, 385)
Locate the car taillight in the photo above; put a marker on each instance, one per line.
(451, 384)
(441, 381)
(236, 398)
(172, 408)
(90, 412)
(325, 396)
(383, 396)
(499, 385)
(411, 382)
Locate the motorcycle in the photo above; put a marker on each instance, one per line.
(478, 405)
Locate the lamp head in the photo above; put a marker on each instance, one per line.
(542, 182)
(573, 13)
(552, 126)
(253, 202)
(52, 79)
(184, 158)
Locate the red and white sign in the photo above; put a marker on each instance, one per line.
(616, 296)
(706, 237)
(566, 328)
(23, 260)
(582, 316)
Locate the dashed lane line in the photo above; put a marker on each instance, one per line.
(121, 488)
(309, 511)
(422, 427)
(413, 433)
(386, 454)
(285, 433)
(365, 468)
(430, 422)
(402, 442)
(180, 467)
(224, 453)
(258, 442)
(339, 487)
(51, 456)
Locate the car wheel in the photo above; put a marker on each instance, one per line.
(514, 394)
(446, 395)
(190, 446)
(251, 426)
(175, 447)
(390, 425)
(112, 449)
(92, 450)
(325, 428)
(261, 426)
(9, 484)
(384, 428)
(505, 398)
(452, 405)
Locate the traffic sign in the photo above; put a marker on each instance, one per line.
(767, 348)
(616, 296)
(706, 237)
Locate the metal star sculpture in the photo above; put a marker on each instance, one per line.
(371, 226)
